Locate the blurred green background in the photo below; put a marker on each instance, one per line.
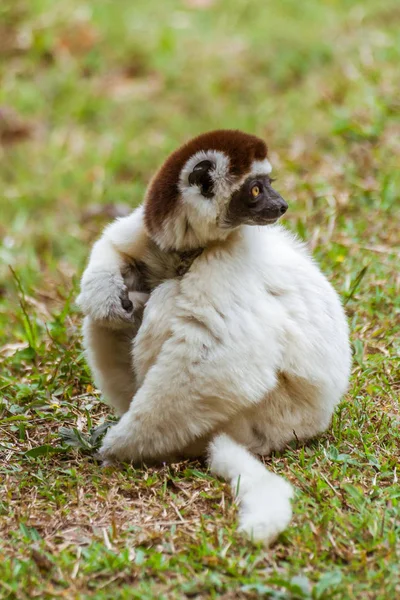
(93, 97)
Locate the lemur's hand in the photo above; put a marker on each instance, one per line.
(105, 298)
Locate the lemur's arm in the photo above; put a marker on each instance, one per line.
(106, 294)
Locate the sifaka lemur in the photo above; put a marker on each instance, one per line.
(210, 328)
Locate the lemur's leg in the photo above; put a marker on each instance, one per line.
(108, 353)
(295, 410)
(201, 378)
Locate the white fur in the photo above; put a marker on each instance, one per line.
(272, 353)
(261, 167)
(108, 330)
(102, 282)
(264, 498)
(197, 219)
(219, 174)
(249, 349)
(205, 216)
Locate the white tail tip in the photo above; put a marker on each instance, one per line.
(264, 498)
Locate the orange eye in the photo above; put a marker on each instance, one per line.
(255, 191)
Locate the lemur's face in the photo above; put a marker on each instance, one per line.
(249, 199)
(212, 185)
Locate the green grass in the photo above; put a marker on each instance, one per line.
(93, 97)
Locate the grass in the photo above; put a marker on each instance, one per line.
(93, 97)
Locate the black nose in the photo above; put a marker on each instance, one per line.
(277, 203)
(283, 207)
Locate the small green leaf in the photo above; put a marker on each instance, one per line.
(30, 532)
(44, 450)
(356, 495)
(328, 580)
(97, 433)
(355, 284)
(140, 557)
(13, 418)
(75, 438)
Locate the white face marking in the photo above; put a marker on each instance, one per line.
(199, 219)
(260, 167)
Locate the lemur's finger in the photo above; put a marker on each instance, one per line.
(125, 302)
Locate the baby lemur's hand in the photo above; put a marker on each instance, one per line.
(105, 298)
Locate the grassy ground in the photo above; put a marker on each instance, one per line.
(93, 97)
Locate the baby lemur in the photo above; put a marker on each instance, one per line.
(210, 335)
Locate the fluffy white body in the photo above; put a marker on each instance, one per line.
(245, 352)
(252, 342)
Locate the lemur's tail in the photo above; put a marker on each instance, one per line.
(264, 498)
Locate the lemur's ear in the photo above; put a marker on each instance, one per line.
(200, 176)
